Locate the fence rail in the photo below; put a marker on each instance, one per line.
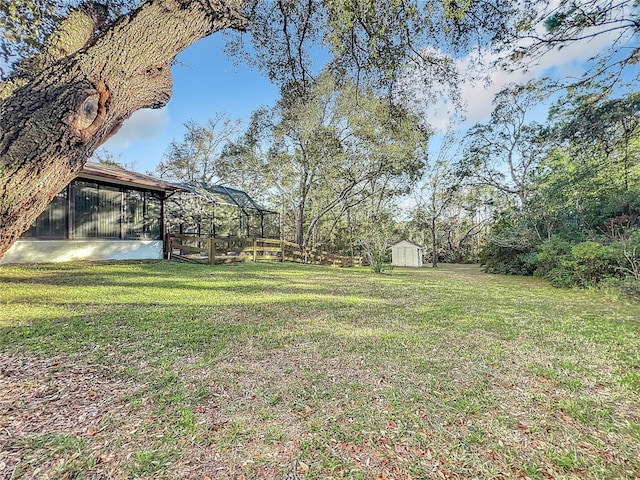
(219, 250)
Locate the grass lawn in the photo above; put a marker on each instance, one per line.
(167, 370)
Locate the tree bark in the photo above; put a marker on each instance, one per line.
(52, 123)
(434, 243)
(300, 238)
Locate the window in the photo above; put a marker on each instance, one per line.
(52, 223)
(109, 212)
(153, 216)
(143, 215)
(88, 209)
(97, 210)
(134, 214)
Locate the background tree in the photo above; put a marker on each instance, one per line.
(104, 156)
(598, 126)
(466, 225)
(504, 153)
(548, 25)
(461, 228)
(334, 150)
(580, 227)
(197, 158)
(593, 174)
(436, 191)
(376, 240)
(202, 159)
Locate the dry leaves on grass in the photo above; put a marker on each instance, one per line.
(45, 398)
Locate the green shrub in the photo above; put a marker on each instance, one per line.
(528, 262)
(561, 277)
(378, 263)
(630, 287)
(551, 256)
(506, 260)
(377, 253)
(592, 262)
(628, 255)
(626, 287)
(589, 263)
(510, 250)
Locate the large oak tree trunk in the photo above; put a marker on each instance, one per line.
(51, 124)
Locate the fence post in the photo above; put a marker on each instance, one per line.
(167, 246)
(255, 250)
(212, 251)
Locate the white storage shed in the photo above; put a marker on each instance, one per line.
(406, 254)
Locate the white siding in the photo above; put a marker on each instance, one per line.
(39, 251)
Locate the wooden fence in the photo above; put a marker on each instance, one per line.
(218, 250)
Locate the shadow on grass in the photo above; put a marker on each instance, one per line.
(186, 308)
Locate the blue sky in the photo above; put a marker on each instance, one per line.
(207, 83)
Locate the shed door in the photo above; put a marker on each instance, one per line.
(402, 256)
(413, 259)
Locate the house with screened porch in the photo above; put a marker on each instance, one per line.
(109, 213)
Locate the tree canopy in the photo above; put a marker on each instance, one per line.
(74, 71)
(326, 154)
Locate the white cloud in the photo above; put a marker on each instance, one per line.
(145, 124)
(568, 62)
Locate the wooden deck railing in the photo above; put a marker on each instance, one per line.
(217, 250)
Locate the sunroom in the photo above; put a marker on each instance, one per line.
(106, 213)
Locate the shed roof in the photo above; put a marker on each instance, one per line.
(406, 243)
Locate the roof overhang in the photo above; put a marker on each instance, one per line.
(217, 194)
(120, 176)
